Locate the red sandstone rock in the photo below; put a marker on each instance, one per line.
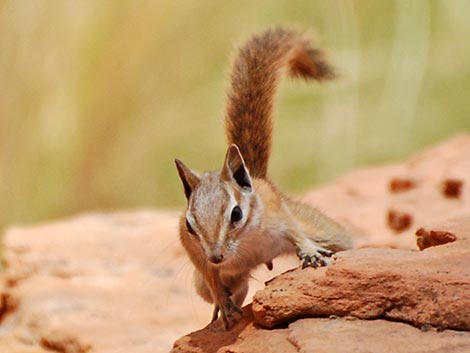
(401, 185)
(243, 337)
(399, 221)
(346, 336)
(425, 289)
(361, 199)
(426, 239)
(452, 188)
(327, 335)
(429, 287)
(99, 283)
(102, 283)
(122, 283)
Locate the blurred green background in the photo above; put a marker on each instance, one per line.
(98, 97)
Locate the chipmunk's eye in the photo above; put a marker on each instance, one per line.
(236, 215)
(190, 229)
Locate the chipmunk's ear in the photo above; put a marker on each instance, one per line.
(188, 177)
(235, 168)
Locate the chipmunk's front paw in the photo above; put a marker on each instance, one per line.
(228, 311)
(314, 256)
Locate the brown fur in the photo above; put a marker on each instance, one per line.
(254, 82)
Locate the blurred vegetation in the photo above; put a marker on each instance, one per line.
(98, 97)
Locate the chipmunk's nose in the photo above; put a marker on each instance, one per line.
(216, 258)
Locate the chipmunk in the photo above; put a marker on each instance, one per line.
(236, 219)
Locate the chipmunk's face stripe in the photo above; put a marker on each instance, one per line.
(225, 221)
(197, 230)
(254, 214)
(235, 198)
(192, 223)
(237, 195)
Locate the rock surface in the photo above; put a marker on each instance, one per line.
(102, 283)
(430, 287)
(324, 335)
(121, 282)
(116, 282)
(426, 289)
(363, 199)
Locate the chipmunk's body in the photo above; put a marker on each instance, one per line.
(236, 218)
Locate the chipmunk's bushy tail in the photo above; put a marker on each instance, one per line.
(254, 80)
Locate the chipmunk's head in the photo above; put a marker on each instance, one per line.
(221, 206)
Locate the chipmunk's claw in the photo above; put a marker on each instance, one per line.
(317, 259)
(313, 261)
(215, 313)
(227, 311)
